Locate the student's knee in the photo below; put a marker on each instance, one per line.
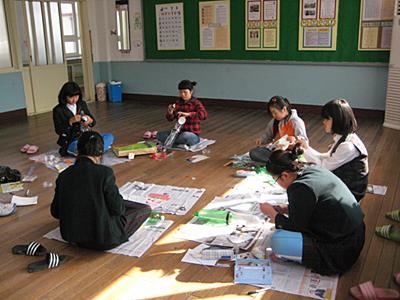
(162, 136)
(287, 244)
(189, 138)
(146, 210)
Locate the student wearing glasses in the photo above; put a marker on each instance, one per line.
(322, 227)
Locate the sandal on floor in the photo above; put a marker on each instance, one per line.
(33, 248)
(367, 291)
(397, 277)
(389, 232)
(24, 148)
(394, 215)
(52, 261)
(32, 149)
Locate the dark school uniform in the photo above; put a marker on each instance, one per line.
(66, 132)
(91, 211)
(324, 210)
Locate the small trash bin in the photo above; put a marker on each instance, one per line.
(115, 91)
(101, 92)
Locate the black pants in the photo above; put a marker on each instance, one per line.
(260, 154)
(333, 258)
(135, 215)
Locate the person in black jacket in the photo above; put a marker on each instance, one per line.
(322, 227)
(71, 117)
(88, 204)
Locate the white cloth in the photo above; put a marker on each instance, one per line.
(72, 108)
(344, 153)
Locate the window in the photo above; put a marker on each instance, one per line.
(72, 45)
(122, 14)
(5, 54)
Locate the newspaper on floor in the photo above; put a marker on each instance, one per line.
(244, 198)
(162, 198)
(377, 189)
(193, 256)
(54, 161)
(142, 239)
(295, 279)
(203, 144)
(138, 243)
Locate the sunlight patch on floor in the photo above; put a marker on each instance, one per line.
(152, 284)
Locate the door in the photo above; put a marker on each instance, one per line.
(50, 49)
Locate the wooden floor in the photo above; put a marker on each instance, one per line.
(159, 274)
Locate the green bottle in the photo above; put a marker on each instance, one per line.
(154, 218)
(214, 216)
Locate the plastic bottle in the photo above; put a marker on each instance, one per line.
(174, 133)
(154, 218)
(214, 216)
(242, 219)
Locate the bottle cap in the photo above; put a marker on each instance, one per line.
(182, 120)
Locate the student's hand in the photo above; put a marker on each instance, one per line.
(183, 114)
(281, 208)
(268, 210)
(171, 109)
(74, 119)
(89, 120)
(258, 142)
(303, 142)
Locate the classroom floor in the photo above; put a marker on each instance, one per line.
(159, 274)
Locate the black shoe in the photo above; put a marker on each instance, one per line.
(63, 152)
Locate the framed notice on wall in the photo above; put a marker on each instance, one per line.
(376, 19)
(318, 22)
(170, 26)
(262, 24)
(214, 18)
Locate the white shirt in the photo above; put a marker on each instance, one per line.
(344, 153)
(72, 108)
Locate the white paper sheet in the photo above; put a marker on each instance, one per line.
(138, 243)
(203, 144)
(54, 161)
(192, 256)
(22, 201)
(162, 198)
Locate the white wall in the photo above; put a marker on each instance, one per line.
(102, 21)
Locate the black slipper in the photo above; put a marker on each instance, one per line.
(52, 261)
(33, 248)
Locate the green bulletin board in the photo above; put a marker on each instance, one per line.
(347, 38)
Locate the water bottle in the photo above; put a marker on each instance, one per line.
(243, 219)
(154, 218)
(214, 216)
(174, 133)
(84, 119)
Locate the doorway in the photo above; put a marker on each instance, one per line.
(50, 50)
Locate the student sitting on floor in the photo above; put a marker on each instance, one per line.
(347, 158)
(189, 107)
(87, 202)
(71, 117)
(285, 121)
(322, 227)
